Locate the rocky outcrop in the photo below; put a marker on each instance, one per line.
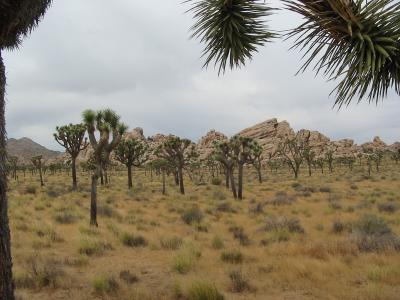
(269, 134)
(345, 148)
(376, 144)
(205, 145)
(136, 133)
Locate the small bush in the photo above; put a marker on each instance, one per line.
(388, 207)
(106, 211)
(192, 215)
(172, 243)
(291, 224)
(90, 247)
(183, 263)
(239, 234)
(65, 217)
(105, 285)
(225, 207)
(282, 198)
(338, 226)
(325, 189)
(257, 209)
(219, 195)
(30, 189)
(239, 282)
(128, 277)
(217, 243)
(131, 240)
(216, 181)
(41, 272)
(233, 257)
(203, 291)
(373, 234)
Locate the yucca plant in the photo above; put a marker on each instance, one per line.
(17, 19)
(231, 29)
(354, 41)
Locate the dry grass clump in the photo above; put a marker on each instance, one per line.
(240, 235)
(388, 207)
(232, 256)
(282, 198)
(105, 284)
(372, 234)
(192, 215)
(128, 277)
(171, 243)
(132, 240)
(93, 247)
(203, 291)
(40, 273)
(291, 224)
(239, 281)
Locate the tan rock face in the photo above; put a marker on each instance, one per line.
(345, 148)
(136, 133)
(268, 134)
(376, 144)
(205, 145)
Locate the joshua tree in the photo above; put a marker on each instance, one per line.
(292, 149)
(256, 158)
(178, 152)
(354, 41)
(107, 123)
(319, 162)
(17, 20)
(72, 138)
(309, 156)
(223, 153)
(37, 163)
(13, 160)
(330, 159)
(132, 153)
(395, 156)
(242, 148)
(163, 166)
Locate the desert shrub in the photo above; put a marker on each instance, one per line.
(257, 209)
(216, 181)
(203, 291)
(30, 189)
(217, 243)
(282, 198)
(325, 189)
(219, 195)
(41, 272)
(239, 234)
(388, 207)
(232, 256)
(183, 263)
(373, 234)
(192, 215)
(65, 215)
(338, 226)
(106, 211)
(225, 207)
(52, 193)
(128, 277)
(91, 231)
(131, 240)
(172, 243)
(238, 281)
(280, 235)
(50, 234)
(92, 247)
(105, 284)
(334, 204)
(291, 224)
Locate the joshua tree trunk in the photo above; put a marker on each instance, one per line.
(93, 197)
(163, 182)
(309, 170)
(130, 177)
(101, 177)
(6, 282)
(240, 183)
(74, 181)
(180, 175)
(233, 185)
(259, 175)
(40, 174)
(176, 177)
(226, 178)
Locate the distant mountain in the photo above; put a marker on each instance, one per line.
(25, 149)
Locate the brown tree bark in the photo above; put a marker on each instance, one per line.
(240, 182)
(130, 184)
(74, 181)
(6, 282)
(181, 186)
(93, 197)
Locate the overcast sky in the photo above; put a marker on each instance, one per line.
(136, 58)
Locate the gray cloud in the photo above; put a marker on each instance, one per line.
(136, 57)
